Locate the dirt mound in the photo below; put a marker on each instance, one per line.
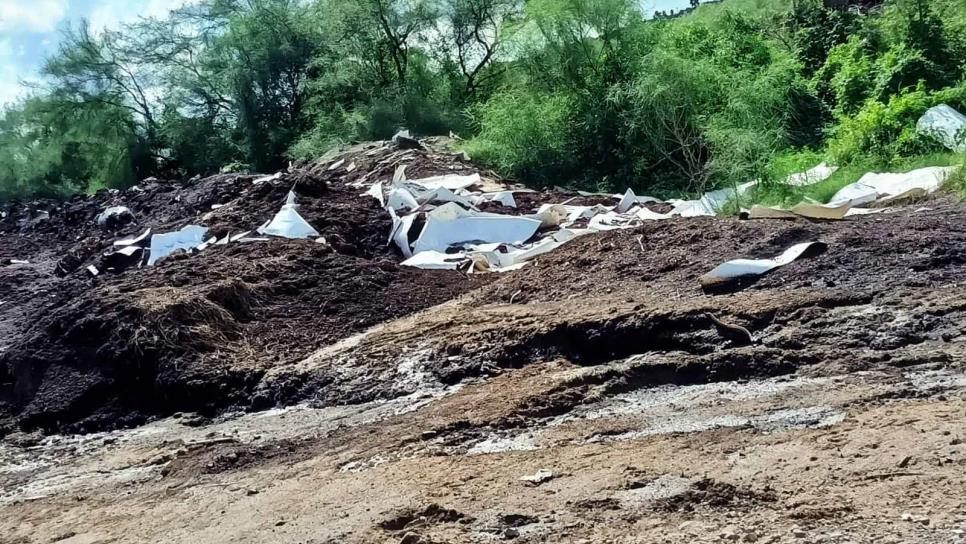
(194, 333)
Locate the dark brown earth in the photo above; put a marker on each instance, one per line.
(193, 333)
(605, 363)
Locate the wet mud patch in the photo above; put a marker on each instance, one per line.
(708, 493)
(433, 514)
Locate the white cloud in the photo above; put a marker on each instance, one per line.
(114, 13)
(33, 16)
(10, 88)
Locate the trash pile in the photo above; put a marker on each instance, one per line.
(181, 295)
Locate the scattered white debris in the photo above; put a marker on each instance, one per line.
(401, 199)
(740, 268)
(946, 125)
(872, 186)
(376, 192)
(237, 237)
(186, 239)
(541, 476)
(452, 182)
(129, 251)
(93, 270)
(264, 179)
(114, 213)
(504, 198)
(810, 177)
(435, 260)
(451, 225)
(288, 223)
(400, 174)
(136, 241)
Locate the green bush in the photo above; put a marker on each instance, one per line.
(885, 132)
(527, 136)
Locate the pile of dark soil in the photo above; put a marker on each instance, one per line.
(194, 332)
(873, 254)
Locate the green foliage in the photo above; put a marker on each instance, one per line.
(54, 147)
(956, 182)
(583, 92)
(887, 131)
(527, 135)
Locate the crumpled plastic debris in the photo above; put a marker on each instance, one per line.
(287, 223)
(946, 125)
(539, 477)
(186, 239)
(114, 216)
(872, 186)
(451, 225)
(136, 241)
(741, 268)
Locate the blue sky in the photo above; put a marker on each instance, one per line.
(30, 29)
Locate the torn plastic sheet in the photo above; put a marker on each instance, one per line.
(443, 195)
(570, 214)
(711, 202)
(401, 199)
(136, 241)
(376, 192)
(810, 177)
(207, 243)
(400, 173)
(946, 125)
(502, 258)
(186, 239)
(504, 198)
(741, 268)
(129, 251)
(452, 182)
(400, 232)
(873, 186)
(435, 260)
(450, 225)
(268, 178)
(288, 223)
(628, 200)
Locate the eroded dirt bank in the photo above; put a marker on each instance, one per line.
(597, 395)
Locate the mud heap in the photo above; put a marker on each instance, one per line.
(82, 352)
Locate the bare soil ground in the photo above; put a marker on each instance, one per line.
(590, 397)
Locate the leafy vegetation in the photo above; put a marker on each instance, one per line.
(550, 92)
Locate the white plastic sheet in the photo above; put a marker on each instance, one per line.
(810, 177)
(435, 260)
(946, 125)
(400, 232)
(452, 182)
(450, 225)
(185, 239)
(287, 223)
(376, 192)
(874, 186)
(136, 241)
(740, 268)
(401, 199)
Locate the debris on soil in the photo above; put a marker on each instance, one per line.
(538, 477)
